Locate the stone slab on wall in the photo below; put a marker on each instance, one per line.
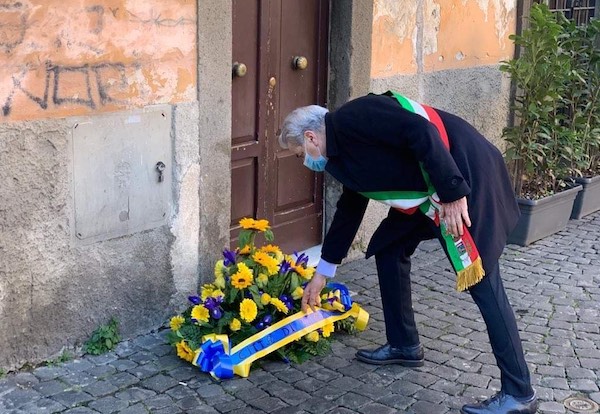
(480, 95)
(69, 57)
(118, 188)
(53, 294)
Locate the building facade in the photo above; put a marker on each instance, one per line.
(134, 135)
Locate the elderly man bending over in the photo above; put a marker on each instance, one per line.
(441, 178)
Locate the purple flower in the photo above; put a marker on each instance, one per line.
(216, 313)
(260, 326)
(301, 259)
(285, 267)
(228, 257)
(287, 301)
(212, 303)
(195, 299)
(267, 319)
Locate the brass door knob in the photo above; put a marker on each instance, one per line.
(299, 62)
(239, 70)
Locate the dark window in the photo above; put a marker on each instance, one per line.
(581, 11)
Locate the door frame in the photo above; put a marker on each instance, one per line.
(350, 29)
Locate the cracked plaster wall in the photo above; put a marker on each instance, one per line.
(444, 53)
(62, 59)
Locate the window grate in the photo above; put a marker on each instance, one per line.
(581, 11)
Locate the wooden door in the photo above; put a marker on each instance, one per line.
(280, 63)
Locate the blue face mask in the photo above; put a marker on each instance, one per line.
(317, 165)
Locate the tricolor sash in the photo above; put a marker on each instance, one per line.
(216, 357)
(462, 251)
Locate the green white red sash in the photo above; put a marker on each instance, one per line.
(462, 251)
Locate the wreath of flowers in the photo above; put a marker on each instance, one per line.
(253, 288)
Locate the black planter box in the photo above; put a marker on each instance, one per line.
(543, 217)
(588, 200)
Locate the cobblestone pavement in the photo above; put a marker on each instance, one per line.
(552, 284)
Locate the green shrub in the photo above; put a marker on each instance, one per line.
(557, 104)
(103, 339)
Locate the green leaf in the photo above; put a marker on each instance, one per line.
(295, 282)
(255, 295)
(269, 235)
(232, 294)
(244, 238)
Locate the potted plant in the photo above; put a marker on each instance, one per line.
(536, 144)
(582, 102)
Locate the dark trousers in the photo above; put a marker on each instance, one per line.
(393, 269)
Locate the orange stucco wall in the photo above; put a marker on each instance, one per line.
(71, 57)
(394, 37)
(433, 35)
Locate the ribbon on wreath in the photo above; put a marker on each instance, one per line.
(216, 358)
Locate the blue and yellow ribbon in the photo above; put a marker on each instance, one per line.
(214, 356)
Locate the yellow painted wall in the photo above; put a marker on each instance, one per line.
(433, 35)
(394, 37)
(71, 57)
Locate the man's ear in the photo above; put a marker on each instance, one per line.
(311, 136)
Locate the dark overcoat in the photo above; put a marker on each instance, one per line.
(373, 144)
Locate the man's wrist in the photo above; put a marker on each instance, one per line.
(326, 269)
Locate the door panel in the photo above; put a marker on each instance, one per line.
(245, 89)
(271, 33)
(247, 149)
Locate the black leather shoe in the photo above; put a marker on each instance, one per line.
(501, 403)
(408, 356)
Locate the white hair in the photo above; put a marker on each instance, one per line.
(305, 118)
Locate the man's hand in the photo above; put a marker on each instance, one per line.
(454, 214)
(312, 292)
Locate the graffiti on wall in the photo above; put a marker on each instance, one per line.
(76, 59)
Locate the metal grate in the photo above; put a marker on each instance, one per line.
(581, 11)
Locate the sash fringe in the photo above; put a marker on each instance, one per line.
(470, 276)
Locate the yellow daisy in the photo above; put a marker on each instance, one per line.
(245, 250)
(251, 224)
(247, 223)
(267, 261)
(235, 324)
(219, 282)
(216, 293)
(184, 351)
(219, 267)
(265, 299)
(328, 330)
(312, 337)
(261, 225)
(279, 305)
(297, 293)
(279, 256)
(305, 273)
(248, 310)
(262, 280)
(206, 291)
(176, 322)
(243, 277)
(270, 248)
(200, 313)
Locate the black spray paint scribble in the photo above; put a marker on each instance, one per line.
(94, 77)
(99, 23)
(159, 21)
(13, 25)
